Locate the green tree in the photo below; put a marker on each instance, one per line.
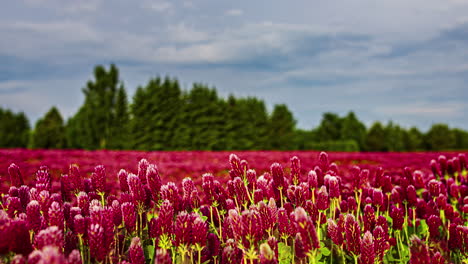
(119, 135)
(413, 139)
(353, 129)
(375, 138)
(49, 132)
(440, 137)
(394, 137)
(95, 122)
(281, 128)
(14, 129)
(330, 128)
(461, 139)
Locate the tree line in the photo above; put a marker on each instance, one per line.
(162, 116)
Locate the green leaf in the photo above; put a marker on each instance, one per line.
(423, 229)
(325, 251)
(284, 253)
(150, 251)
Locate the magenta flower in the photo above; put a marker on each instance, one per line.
(433, 223)
(419, 251)
(136, 189)
(411, 195)
(14, 207)
(15, 175)
(236, 169)
(312, 179)
(231, 253)
(295, 170)
(252, 228)
(129, 216)
(267, 255)
(380, 242)
(434, 188)
(18, 259)
(80, 224)
(33, 212)
(278, 177)
(52, 236)
(378, 199)
(183, 229)
(367, 249)
(74, 257)
(122, 176)
(43, 179)
(83, 203)
(334, 187)
(369, 218)
(199, 231)
(334, 232)
(162, 257)
(136, 253)
(352, 232)
(56, 217)
(142, 170)
(397, 216)
(95, 241)
(251, 176)
(170, 192)
(323, 201)
(306, 229)
(323, 161)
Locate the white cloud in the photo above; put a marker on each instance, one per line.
(159, 6)
(235, 12)
(425, 109)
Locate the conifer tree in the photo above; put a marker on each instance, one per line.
(49, 132)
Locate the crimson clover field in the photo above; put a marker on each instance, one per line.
(73, 206)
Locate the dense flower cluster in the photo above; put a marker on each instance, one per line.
(323, 214)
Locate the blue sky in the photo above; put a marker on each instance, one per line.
(399, 60)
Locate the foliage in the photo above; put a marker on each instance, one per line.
(49, 131)
(14, 129)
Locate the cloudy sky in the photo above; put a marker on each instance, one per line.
(399, 60)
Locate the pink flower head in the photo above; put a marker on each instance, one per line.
(142, 169)
(411, 195)
(251, 176)
(129, 216)
(18, 259)
(162, 257)
(231, 253)
(378, 199)
(15, 175)
(52, 236)
(295, 170)
(74, 257)
(123, 175)
(334, 232)
(95, 241)
(183, 229)
(323, 161)
(83, 203)
(278, 177)
(56, 217)
(236, 169)
(170, 192)
(33, 212)
(419, 251)
(267, 255)
(306, 229)
(136, 189)
(208, 187)
(137, 256)
(443, 164)
(367, 249)
(252, 227)
(380, 242)
(369, 218)
(334, 187)
(434, 188)
(323, 201)
(433, 223)
(352, 232)
(397, 216)
(80, 224)
(199, 231)
(312, 179)
(98, 178)
(43, 179)
(14, 207)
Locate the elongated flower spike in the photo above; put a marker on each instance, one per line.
(236, 169)
(443, 164)
(199, 231)
(380, 242)
(74, 257)
(15, 175)
(122, 176)
(312, 179)
(323, 161)
(462, 160)
(95, 240)
(33, 212)
(434, 222)
(295, 170)
(14, 207)
(334, 187)
(252, 179)
(137, 190)
(267, 255)
(278, 178)
(142, 168)
(323, 201)
(129, 216)
(56, 217)
(306, 229)
(136, 253)
(352, 231)
(419, 251)
(397, 216)
(367, 249)
(434, 188)
(369, 218)
(162, 257)
(52, 236)
(334, 232)
(98, 178)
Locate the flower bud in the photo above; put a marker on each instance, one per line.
(367, 249)
(137, 256)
